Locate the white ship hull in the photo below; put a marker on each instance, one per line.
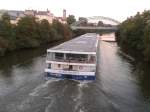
(70, 74)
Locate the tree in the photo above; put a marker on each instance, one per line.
(7, 32)
(58, 27)
(5, 26)
(100, 23)
(133, 34)
(67, 34)
(27, 32)
(45, 31)
(147, 42)
(71, 19)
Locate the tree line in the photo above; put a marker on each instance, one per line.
(30, 33)
(133, 35)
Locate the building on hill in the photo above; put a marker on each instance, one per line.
(30, 12)
(62, 19)
(40, 15)
(45, 15)
(14, 15)
(14, 20)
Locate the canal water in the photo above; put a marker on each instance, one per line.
(121, 85)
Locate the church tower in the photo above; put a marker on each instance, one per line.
(64, 14)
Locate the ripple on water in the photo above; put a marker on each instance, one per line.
(39, 88)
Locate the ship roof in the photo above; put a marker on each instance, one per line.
(83, 44)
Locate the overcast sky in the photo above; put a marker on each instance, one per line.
(116, 9)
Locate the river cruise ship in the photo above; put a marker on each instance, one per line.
(75, 59)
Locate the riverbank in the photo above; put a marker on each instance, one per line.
(133, 36)
(29, 33)
(14, 58)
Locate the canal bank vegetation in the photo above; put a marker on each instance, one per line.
(29, 33)
(133, 35)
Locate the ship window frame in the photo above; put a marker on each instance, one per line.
(59, 55)
(59, 65)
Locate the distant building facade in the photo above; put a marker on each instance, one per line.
(14, 15)
(40, 15)
(62, 19)
(45, 15)
(30, 12)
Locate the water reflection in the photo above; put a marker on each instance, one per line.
(23, 59)
(140, 71)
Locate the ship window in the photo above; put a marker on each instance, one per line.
(59, 55)
(49, 65)
(92, 58)
(80, 67)
(70, 67)
(77, 56)
(58, 65)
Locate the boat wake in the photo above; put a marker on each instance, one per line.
(39, 88)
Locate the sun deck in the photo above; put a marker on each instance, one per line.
(85, 44)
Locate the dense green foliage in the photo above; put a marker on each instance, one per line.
(30, 33)
(134, 34)
(71, 19)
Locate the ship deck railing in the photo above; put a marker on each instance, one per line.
(73, 60)
(68, 69)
